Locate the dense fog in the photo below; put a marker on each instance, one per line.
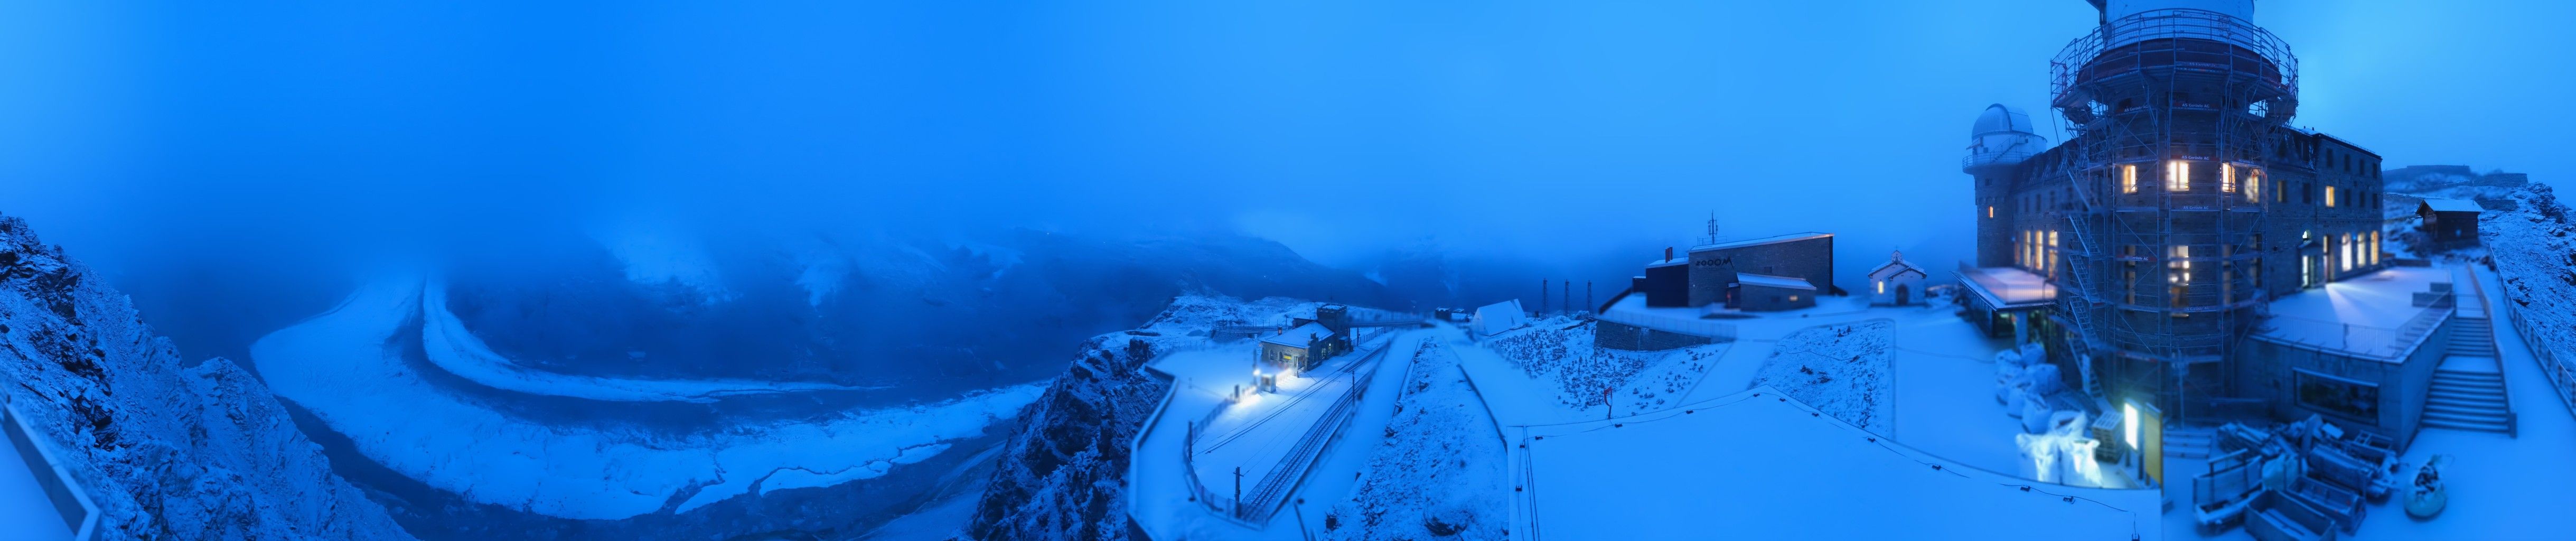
(233, 167)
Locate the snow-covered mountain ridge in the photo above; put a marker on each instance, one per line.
(167, 449)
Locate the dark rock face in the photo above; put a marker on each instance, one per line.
(1063, 474)
(166, 449)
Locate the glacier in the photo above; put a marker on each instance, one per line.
(347, 367)
(448, 344)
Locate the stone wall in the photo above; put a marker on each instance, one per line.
(1610, 335)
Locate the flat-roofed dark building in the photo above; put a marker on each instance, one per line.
(1804, 256)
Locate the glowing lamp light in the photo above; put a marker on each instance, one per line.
(2129, 418)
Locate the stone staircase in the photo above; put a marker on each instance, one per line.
(2468, 390)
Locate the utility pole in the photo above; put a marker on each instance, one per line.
(1566, 296)
(1238, 493)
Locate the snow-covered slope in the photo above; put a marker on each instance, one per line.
(1838, 369)
(1560, 350)
(2533, 250)
(1440, 472)
(167, 449)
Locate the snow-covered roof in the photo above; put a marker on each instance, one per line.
(2453, 205)
(2008, 287)
(1299, 337)
(1667, 262)
(1761, 241)
(1898, 262)
(2372, 315)
(1498, 317)
(1778, 470)
(1765, 280)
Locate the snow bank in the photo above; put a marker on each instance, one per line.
(448, 344)
(1439, 472)
(1840, 369)
(345, 367)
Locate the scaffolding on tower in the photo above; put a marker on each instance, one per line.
(2169, 115)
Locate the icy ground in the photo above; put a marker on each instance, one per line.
(1838, 369)
(346, 366)
(1439, 472)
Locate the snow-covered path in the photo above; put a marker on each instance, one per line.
(447, 343)
(346, 367)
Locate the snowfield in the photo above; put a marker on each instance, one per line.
(347, 368)
(447, 343)
(1757, 465)
(1841, 370)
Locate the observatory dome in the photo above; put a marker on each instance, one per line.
(1999, 120)
(2002, 137)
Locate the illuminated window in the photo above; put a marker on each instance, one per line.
(2052, 253)
(2330, 196)
(1882, 287)
(2129, 178)
(2374, 247)
(1990, 211)
(2179, 265)
(2343, 252)
(2178, 176)
(2227, 177)
(2254, 185)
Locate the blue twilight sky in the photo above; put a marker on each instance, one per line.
(1547, 131)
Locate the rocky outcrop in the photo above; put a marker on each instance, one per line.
(167, 449)
(1063, 474)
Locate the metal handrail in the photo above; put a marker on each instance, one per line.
(1982, 158)
(2081, 53)
(2512, 422)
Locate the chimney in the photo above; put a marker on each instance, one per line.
(1668, 253)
